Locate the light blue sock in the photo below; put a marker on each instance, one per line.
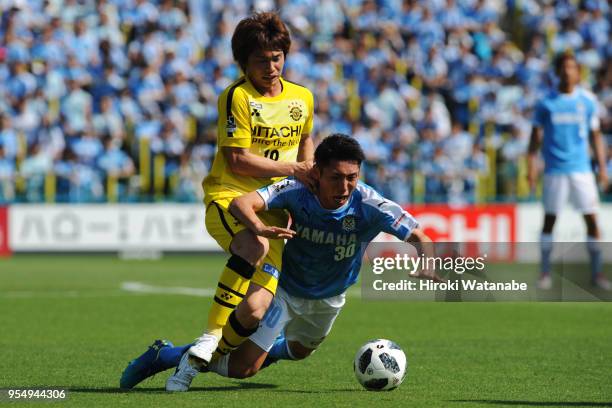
(546, 246)
(279, 351)
(171, 356)
(595, 254)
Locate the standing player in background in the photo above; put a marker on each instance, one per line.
(564, 123)
(330, 231)
(263, 135)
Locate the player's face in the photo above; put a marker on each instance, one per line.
(264, 69)
(337, 182)
(569, 73)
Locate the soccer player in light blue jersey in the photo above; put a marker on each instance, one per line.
(565, 122)
(322, 258)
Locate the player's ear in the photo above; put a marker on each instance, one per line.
(316, 172)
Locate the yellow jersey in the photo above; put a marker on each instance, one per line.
(270, 127)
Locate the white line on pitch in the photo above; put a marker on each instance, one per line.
(140, 287)
(25, 294)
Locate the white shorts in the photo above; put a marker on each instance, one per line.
(579, 188)
(307, 321)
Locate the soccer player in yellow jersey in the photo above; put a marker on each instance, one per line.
(263, 130)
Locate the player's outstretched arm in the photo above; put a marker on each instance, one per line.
(245, 209)
(425, 247)
(244, 163)
(532, 156)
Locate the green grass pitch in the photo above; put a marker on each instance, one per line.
(66, 322)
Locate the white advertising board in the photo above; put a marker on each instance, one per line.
(124, 227)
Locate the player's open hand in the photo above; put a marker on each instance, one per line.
(275, 232)
(304, 173)
(532, 179)
(603, 179)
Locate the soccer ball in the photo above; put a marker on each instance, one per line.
(380, 365)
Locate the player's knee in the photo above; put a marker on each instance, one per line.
(549, 223)
(299, 352)
(243, 370)
(591, 224)
(253, 309)
(256, 310)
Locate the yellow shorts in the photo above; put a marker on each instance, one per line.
(222, 226)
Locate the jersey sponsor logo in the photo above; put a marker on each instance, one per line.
(295, 111)
(282, 131)
(271, 270)
(348, 223)
(324, 237)
(567, 118)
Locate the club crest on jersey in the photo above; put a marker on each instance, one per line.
(348, 223)
(295, 111)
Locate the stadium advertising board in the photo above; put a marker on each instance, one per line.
(494, 223)
(157, 227)
(4, 237)
(180, 227)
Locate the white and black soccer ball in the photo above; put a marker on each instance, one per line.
(380, 365)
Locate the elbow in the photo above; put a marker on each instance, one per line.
(236, 167)
(418, 235)
(236, 163)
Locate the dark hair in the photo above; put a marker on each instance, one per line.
(561, 58)
(338, 147)
(261, 31)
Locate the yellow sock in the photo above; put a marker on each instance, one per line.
(234, 334)
(232, 287)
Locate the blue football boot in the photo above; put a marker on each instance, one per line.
(146, 365)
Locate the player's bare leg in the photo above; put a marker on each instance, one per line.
(597, 277)
(546, 247)
(248, 359)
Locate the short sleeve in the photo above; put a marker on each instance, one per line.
(280, 194)
(389, 216)
(234, 126)
(309, 121)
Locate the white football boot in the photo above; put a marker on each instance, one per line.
(545, 282)
(183, 376)
(602, 283)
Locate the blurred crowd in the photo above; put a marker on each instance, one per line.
(115, 100)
